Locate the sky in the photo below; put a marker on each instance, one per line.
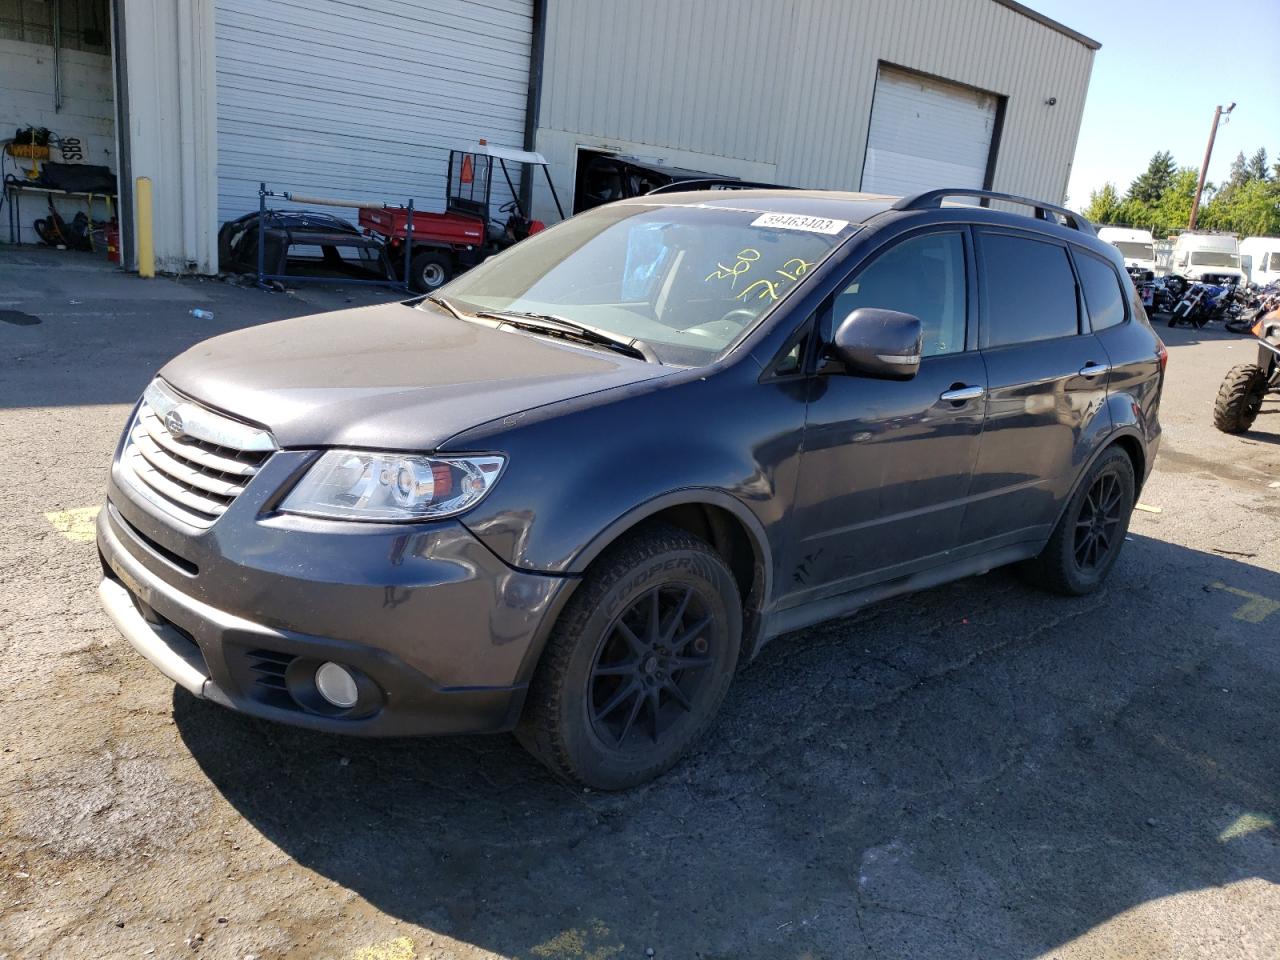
(1161, 71)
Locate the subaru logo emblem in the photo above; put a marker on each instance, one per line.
(173, 423)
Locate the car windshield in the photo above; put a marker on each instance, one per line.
(1135, 250)
(688, 280)
(1213, 258)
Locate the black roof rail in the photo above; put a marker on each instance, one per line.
(710, 183)
(931, 199)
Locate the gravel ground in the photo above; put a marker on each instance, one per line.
(976, 771)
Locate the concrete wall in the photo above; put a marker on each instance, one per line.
(26, 100)
(782, 91)
(168, 53)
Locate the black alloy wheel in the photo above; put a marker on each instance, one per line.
(638, 662)
(1091, 531)
(651, 666)
(1098, 523)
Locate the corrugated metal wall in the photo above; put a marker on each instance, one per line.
(364, 99)
(782, 89)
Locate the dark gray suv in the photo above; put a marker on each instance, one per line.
(573, 492)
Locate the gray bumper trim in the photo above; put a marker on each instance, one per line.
(169, 651)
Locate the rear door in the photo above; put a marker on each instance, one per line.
(1046, 381)
(1117, 319)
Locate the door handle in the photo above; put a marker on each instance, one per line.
(961, 394)
(1092, 369)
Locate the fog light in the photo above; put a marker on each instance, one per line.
(337, 685)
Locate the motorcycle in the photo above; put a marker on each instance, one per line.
(1252, 305)
(1246, 385)
(1160, 294)
(1204, 302)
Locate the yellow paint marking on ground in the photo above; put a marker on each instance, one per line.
(1245, 824)
(1256, 608)
(1147, 508)
(76, 524)
(401, 948)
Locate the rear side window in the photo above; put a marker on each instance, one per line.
(1029, 291)
(1103, 294)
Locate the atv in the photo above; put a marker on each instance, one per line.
(1247, 384)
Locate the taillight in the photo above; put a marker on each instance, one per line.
(1162, 354)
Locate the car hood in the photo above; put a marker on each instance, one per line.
(391, 376)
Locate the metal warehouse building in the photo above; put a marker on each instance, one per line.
(364, 98)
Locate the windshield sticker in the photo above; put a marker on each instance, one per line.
(794, 221)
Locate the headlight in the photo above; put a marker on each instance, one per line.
(358, 485)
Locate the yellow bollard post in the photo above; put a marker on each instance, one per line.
(146, 241)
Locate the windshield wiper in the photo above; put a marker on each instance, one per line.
(572, 329)
(442, 302)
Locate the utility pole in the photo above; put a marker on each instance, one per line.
(1218, 114)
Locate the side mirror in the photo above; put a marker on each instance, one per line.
(883, 344)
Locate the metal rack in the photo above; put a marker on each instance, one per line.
(390, 281)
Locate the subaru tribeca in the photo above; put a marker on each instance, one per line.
(571, 492)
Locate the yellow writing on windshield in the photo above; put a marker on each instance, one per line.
(765, 288)
(741, 265)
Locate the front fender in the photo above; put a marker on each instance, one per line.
(579, 477)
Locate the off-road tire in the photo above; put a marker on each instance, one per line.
(1056, 569)
(557, 726)
(1240, 398)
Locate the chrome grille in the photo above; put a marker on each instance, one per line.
(189, 460)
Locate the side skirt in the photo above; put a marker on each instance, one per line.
(806, 615)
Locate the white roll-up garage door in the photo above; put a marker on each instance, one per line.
(926, 133)
(363, 99)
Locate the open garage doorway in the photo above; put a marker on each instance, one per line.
(57, 125)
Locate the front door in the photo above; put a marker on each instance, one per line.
(886, 465)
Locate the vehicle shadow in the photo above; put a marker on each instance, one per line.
(979, 770)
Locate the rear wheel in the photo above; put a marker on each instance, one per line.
(637, 665)
(1240, 398)
(429, 271)
(1086, 543)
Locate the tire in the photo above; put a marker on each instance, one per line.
(429, 271)
(605, 648)
(1240, 398)
(1059, 567)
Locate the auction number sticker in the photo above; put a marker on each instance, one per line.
(794, 221)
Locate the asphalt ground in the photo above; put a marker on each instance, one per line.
(978, 771)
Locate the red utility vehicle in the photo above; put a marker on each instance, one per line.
(445, 244)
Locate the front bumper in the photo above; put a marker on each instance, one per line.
(441, 634)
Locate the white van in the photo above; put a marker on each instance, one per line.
(1260, 259)
(1209, 257)
(1137, 246)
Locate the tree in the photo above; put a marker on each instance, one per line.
(1150, 186)
(1239, 172)
(1103, 204)
(1251, 210)
(1174, 209)
(1257, 167)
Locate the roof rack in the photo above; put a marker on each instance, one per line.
(931, 199)
(713, 183)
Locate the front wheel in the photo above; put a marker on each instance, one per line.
(1240, 398)
(429, 271)
(1087, 540)
(637, 665)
